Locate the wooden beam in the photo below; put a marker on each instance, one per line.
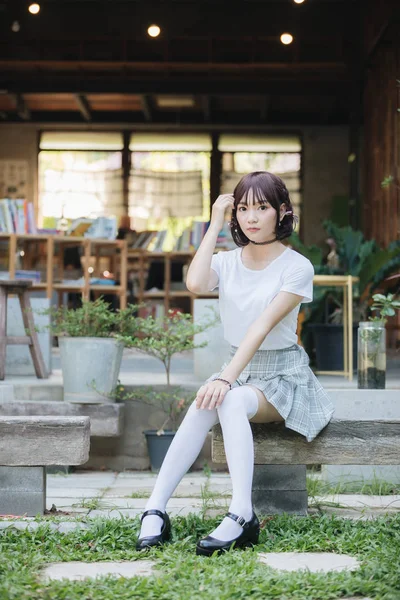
(264, 107)
(206, 103)
(342, 442)
(83, 106)
(22, 109)
(147, 107)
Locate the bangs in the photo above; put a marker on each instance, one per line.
(252, 195)
(257, 187)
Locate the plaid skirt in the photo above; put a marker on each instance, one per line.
(288, 383)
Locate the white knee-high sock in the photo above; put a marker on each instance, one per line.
(183, 451)
(239, 405)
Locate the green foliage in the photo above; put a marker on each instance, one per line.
(181, 575)
(162, 338)
(173, 401)
(166, 336)
(93, 319)
(386, 306)
(313, 253)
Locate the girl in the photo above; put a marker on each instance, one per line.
(268, 378)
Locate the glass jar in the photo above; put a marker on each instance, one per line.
(371, 367)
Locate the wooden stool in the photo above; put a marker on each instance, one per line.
(20, 288)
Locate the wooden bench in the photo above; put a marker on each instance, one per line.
(106, 420)
(281, 456)
(27, 445)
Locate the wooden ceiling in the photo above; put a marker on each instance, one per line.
(215, 62)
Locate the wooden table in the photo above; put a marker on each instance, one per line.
(346, 283)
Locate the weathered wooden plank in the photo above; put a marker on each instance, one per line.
(340, 443)
(41, 441)
(106, 420)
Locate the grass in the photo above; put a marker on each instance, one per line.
(235, 575)
(377, 487)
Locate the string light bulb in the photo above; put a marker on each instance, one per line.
(286, 38)
(34, 8)
(154, 31)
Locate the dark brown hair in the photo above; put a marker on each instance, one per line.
(266, 187)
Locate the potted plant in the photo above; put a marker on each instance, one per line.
(372, 343)
(322, 327)
(162, 338)
(90, 349)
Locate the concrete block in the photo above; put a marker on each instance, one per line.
(106, 420)
(209, 359)
(18, 358)
(363, 405)
(39, 391)
(280, 489)
(277, 477)
(22, 490)
(277, 502)
(41, 441)
(6, 392)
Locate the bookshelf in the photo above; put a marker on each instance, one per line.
(139, 262)
(46, 253)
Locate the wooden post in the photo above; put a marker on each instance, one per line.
(123, 277)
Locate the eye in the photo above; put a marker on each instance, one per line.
(263, 206)
(240, 208)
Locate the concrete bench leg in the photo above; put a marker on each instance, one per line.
(22, 491)
(280, 489)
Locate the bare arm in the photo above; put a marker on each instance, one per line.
(200, 277)
(281, 305)
(211, 395)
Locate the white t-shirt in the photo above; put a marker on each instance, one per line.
(244, 294)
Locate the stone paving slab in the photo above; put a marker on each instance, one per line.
(77, 571)
(362, 500)
(141, 502)
(315, 562)
(62, 527)
(179, 511)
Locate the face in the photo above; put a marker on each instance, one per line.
(256, 219)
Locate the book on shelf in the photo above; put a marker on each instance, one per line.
(191, 238)
(17, 216)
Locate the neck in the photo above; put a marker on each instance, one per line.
(263, 252)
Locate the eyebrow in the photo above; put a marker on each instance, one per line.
(245, 203)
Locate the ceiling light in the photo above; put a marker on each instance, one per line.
(34, 8)
(175, 101)
(286, 38)
(154, 31)
(298, 1)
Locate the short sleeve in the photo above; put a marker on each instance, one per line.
(216, 266)
(299, 280)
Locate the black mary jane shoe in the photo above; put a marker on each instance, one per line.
(248, 537)
(155, 540)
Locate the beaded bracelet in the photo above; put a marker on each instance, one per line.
(224, 380)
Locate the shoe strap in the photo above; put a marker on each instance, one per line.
(238, 519)
(153, 511)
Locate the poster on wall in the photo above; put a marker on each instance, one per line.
(13, 178)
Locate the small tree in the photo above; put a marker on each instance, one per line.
(162, 338)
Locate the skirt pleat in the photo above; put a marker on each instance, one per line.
(288, 383)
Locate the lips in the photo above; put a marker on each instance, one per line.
(253, 229)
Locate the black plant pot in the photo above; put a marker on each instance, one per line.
(157, 446)
(329, 345)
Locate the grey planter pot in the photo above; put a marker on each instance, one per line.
(85, 360)
(157, 446)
